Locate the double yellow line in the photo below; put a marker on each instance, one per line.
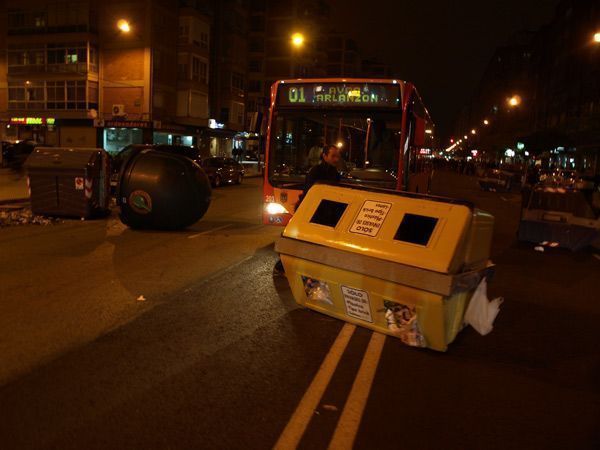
(347, 426)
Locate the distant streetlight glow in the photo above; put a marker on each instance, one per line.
(429, 131)
(515, 100)
(339, 144)
(124, 26)
(466, 137)
(486, 122)
(597, 38)
(297, 40)
(473, 131)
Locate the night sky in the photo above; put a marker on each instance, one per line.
(442, 46)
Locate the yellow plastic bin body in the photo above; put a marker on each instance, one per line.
(401, 264)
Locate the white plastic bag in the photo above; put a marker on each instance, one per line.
(482, 312)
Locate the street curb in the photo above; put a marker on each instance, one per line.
(11, 201)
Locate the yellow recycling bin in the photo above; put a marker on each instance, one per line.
(401, 264)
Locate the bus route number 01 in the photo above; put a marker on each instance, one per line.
(296, 95)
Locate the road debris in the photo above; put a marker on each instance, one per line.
(141, 298)
(25, 217)
(330, 407)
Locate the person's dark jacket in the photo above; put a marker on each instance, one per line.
(321, 173)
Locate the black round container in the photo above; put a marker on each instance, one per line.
(162, 190)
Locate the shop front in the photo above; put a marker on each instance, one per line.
(38, 129)
(52, 131)
(121, 133)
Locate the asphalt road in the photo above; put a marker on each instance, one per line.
(218, 355)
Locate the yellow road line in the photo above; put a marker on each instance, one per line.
(291, 435)
(347, 426)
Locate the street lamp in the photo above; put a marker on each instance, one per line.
(597, 37)
(297, 40)
(473, 131)
(466, 137)
(514, 101)
(486, 122)
(124, 26)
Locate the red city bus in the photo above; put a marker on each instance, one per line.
(379, 124)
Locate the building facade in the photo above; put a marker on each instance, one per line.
(105, 73)
(554, 74)
(112, 73)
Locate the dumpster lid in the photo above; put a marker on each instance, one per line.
(412, 229)
(62, 158)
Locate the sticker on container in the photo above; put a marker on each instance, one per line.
(402, 322)
(370, 218)
(357, 303)
(140, 202)
(79, 183)
(317, 290)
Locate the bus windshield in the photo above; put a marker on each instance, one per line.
(369, 140)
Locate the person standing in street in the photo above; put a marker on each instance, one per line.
(324, 172)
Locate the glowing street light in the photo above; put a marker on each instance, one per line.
(486, 122)
(124, 26)
(597, 37)
(466, 137)
(297, 40)
(473, 131)
(514, 101)
(339, 144)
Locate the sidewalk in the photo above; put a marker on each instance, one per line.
(13, 187)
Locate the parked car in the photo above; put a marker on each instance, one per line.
(496, 180)
(222, 170)
(4, 146)
(15, 155)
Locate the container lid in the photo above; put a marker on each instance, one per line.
(61, 158)
(415, 230)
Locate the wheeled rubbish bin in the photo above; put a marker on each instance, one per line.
(402, 264)
(70, 182)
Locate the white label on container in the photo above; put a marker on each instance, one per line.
(357, 303)
(370, 218)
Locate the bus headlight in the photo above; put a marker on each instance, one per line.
(275, 208)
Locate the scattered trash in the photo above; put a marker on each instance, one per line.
(330, 408)
(141, 298)
(25, 217)
(482, 312)
(539, 248)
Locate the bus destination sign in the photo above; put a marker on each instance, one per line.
(339, 94)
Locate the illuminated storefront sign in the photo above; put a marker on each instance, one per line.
(32, 121)
(127, 124)
(339, 94)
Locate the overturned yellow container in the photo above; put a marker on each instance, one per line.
(399, 263)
